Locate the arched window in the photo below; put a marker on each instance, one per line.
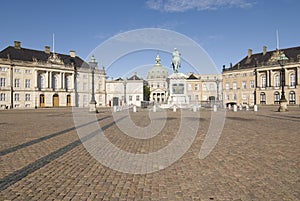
(292, 97)
(292, 80)
(277, 80)
(276, 97)
(55, 82)
(263, 81)
(262, 98)
(41, 81)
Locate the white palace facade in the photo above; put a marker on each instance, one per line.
(33, 78)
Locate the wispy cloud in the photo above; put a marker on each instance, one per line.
(184, 5)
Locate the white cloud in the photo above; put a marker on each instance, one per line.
(184, 5)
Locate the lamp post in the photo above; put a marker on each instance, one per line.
(93, 64)
(217, 82)
(282, 59)
(125, 83)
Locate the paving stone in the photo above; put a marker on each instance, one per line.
(256, 158)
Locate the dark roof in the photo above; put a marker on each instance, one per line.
(134, 77)
(24, 54)
(192, 77)
(261, 59)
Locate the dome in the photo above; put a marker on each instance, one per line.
(157, 71)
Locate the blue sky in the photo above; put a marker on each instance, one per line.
(225, 29)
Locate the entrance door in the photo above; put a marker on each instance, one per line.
(42, 100)
(69, 100)
(55, 100)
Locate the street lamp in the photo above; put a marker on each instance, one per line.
(93, 64)
(125, 83)
(217, 82)
(282, 59)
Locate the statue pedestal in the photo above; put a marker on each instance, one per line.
(178, 94)
(283, 106)
(93, 107)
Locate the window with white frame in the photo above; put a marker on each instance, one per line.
(276, 80)
(3, 69)
(27, 83)
(196, 87)
(234, 85)
(17, 70)
(263, 81)
(292, 97)
(2, 82)
(189, 87)
(244, 96)
(262, 98)
(137, 97)
(27, 97)
(252, 85)
(27, 71)
(292, 80)
(85, 87)
(204, 87)
(196, 97)
(276, 97)
(17, 83)
(244, 85)
(17, 97)
(227, 85)
(130, 98)
(41, 81)
(2, 97)
(211, 87)
(234, 96)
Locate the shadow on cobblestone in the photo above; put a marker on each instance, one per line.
(32, 142)
(20, 174)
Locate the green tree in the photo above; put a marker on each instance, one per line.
(146, 93)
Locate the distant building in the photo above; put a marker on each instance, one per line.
(129, 91)
(204, 88)
(256, 78)
(157, 79)
(33, 78)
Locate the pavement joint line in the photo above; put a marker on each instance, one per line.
(14, 177)
(35, 141)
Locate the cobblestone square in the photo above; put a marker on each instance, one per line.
(256, 158)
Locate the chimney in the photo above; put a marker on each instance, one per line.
(47, 49)
(17, 44)
(264, 50)
(249, 53)
(72, 54)
(230, 65)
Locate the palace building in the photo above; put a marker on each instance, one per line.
(33, 78)
(256, 78)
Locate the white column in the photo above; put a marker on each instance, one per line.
(36, 78)
(50, 79)
(59, 81)
(63, 81)
(47, 79)
(71, 82)
(287, 80)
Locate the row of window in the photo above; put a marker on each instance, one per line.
(244, 85)
(277, 80)
(16, 97)
(292, 97)
(16, 83)
(237, 74)
(16, 70)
